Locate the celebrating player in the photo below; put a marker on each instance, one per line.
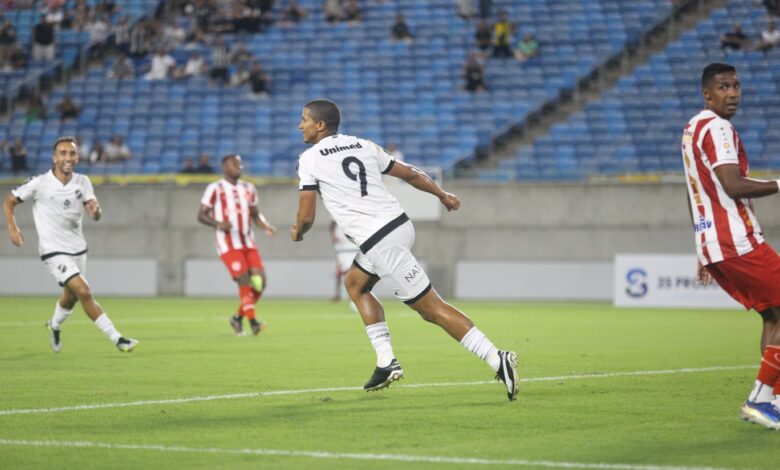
(347, 172)
(60, 197)
(230, 206)
(729, 242)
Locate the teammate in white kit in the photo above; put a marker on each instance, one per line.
(60, 197)
(347, 172)
(345, 255)
(729, 243)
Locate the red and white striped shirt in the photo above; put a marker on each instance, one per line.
(233, 203)
(723, 227)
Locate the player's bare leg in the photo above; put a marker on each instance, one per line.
(760, 408)
(434, 309)
(388, 370)
(78, 287)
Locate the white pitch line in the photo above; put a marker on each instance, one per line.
(347, 456)
(232, 396)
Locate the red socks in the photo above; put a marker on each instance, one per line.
(769, 373)
(248, 297)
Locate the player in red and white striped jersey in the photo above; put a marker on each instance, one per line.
(230, 205)
(729, 242)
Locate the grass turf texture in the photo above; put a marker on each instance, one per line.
(187, 349)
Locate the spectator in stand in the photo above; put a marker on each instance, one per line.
(465, 9)
(7, 39)
(526, 48)
(333, 11)
(36, 109)
(141, 37)
(483, 36)
(204, 165)
(220, 61)
(772, 7)
(98, 29)
(352, 11)
(736, 39)
(121, 38)
(44, 41)
(195, 66)
(400, 31)
(769, 38)
(162, 66)
(68, 108)
(77, 17)
(188, 168)
(18, 58)
(293, 13)
(502, 36)
(241, 55)
(173, 34)
(258, 81)
(55, 15)
(95, 152)
(115, 151)
(121, 69)
(18, 156)
(474, 73)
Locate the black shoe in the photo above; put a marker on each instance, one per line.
(54, 338)
(257, 327)
(126, 344)
(507, 373)
(384, 376)
(238, 328)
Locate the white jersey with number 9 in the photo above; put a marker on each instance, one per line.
(347, 171)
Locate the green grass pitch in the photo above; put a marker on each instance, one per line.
(290, 398)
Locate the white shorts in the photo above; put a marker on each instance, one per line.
(392, 260)
(64, 267)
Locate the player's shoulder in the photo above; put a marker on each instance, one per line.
(81, 178)
(712, 120)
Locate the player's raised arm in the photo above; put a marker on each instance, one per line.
(14, 233)
(420, 180)
(307, 211)
(738, 187)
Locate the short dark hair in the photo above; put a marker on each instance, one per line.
(326, 111)
(65, 138)
(713, 69)
(228, 157)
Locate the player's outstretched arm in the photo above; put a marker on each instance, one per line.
(14, 233)
(737, 186)
(93, 209)
(307, 211)
(420, 180)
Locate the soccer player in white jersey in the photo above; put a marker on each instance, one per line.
(729, 243)
(347, 172)
(60, 197)
(230, 206)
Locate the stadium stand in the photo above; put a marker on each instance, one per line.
(636, 126)
(410, 94)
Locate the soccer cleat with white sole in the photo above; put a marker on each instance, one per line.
(765, 414)
(54, 338)
(126, 344)
(507, 373)
(257, 327)
(384, 376)
(238, 328)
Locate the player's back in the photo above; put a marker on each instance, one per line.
(348, 172)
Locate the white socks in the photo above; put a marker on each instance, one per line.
(762, 393)
(379, 335)
(60, 315)
(105, 325)
(476, 342)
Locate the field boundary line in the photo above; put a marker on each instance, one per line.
(233, 396)
(344, 455)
